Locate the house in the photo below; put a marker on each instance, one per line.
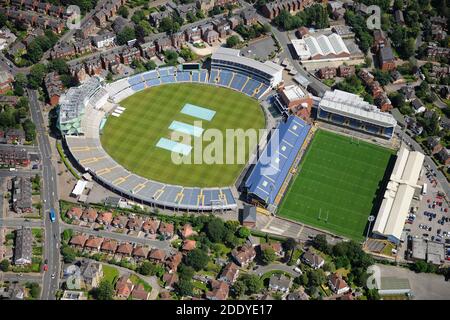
(220, 290)
(170, 279)
(298, 295)
(135, 223)
(78, 71)
(445, 92)
(120, 222)
(129, 54)
(276, 246)
(100, 18)
(186, 231)
(211, 36)
(379, 40)
(272, 9)
(6, 80)
(15, 291)
(173, 262)
(205, 5)
(148, 49)
(22, 195)
(386, 59)
(193, 34)
(120, 23)
(140, 252)
(383, 102)
(408, 92)
(418, 106)
(249, 17)
(326, 73)
(280, 282)
(188, 245)
(124, 249)
(91, 273)
(139, 293)
(83, 46)
(249, 216)
(163, 44)
(54, 87)
(87, 29)
(243, 255)
(109, 246)
(157, 17)
(150, 226)
(337, 284)
(15, 136)
(434, 144)
(62, 51)
(23, 246)
(166, 230)
(444, 156)
(124, 287)
(74, 213)
(78, 241)
(157, 255)
(13, 156)
(104, 40)
(89, 215)
(93, 66)
(93, 243)
(345, 71)
(105, 218)
(73, 295)
(313, 260)
(229, 274)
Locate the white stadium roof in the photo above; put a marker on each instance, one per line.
(399, 193)
(353, 106)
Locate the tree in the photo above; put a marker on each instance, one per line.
(123, 11)
(150, 65)
(20, 82)
(4, 265)
(420, 266)
(252, 282)
(68, 254)
(2, 20)
(244, 232)
(67, 234)
(185, 287)
(216, 230)
(126, 35)
(59, 66)
(197, 259)
(187, 54)
(267, 28)
(30, 130)
(268, 255)
(143, 29)
(186, 272)
(34, 289)
(233, 41)
(239, 288)
(302, 280)
(146, 268)
(316, 277)
(372, 294)
(320, 243)
(36, 76)
(105, 291)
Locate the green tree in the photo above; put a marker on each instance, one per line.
(238, 288)
(146, 268)
(4, 265)
(216, 230)
(150, 65)
(320, 243)
(105, 291)
(20, 82)
(34, 289)
(372, 294)
(197, 259)
(68, 254)
(185, 287)
(233, 41)
(316, 277)
(59, 66)
(67, 235)
(123, 11)
(244, 232)
(268, 255)
(126, 35)
(252, 282)
(30, 130)
(34, 52)
(185, 272)
(36, 76)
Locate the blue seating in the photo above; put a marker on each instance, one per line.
(238, 81)
(338, 118)
(138, 87)
(213, 75)
(228, 196)
(163, 72)
(150, 75)
(203, 75)
(261, 91)
(168, 79)
(388, 132)
(372, 129)
(195, 76)
(153, 82)
(355, 124)
(183, 76)
(225, 78)
(135, 80)
(250, 87)
(323, 114)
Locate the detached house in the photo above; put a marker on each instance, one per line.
(93, 243)
(124, 286)
(313, 260)
(229, 274)
(337, 284)
(74, 213)
(157, 255)
(166, 230)
(243, 255)
(89, 215)
(219, 291)
(173, 262)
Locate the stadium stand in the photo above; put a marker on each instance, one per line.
(273, 166)
(350, 110)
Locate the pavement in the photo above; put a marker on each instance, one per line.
(49, 194)
(424, 286)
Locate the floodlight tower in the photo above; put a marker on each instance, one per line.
(371, 219)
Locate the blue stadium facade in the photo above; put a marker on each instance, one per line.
(272, 168)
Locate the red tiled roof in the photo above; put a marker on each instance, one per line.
(150, 225)
(139, 293)
(90, 214)
(187, 231)
(170, 279)
(189, 245)
(219, 291)
(78, 240)
(166, 228)
(125, 248)
(105, 217)
(157, 254)
(338, 282)
(109, 245)
(75, 212)
(93, 242)
(140, 251)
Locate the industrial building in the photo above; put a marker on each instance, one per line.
(398, 195)
(321, 47)
(351, 111)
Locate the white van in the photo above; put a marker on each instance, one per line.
(424, 189)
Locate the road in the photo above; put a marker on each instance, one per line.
(17, 223)
(439, 175)
(50, 197)
(9, 276)
(164, 245)
(273, 267)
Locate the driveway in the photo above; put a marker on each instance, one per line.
(425, 286)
